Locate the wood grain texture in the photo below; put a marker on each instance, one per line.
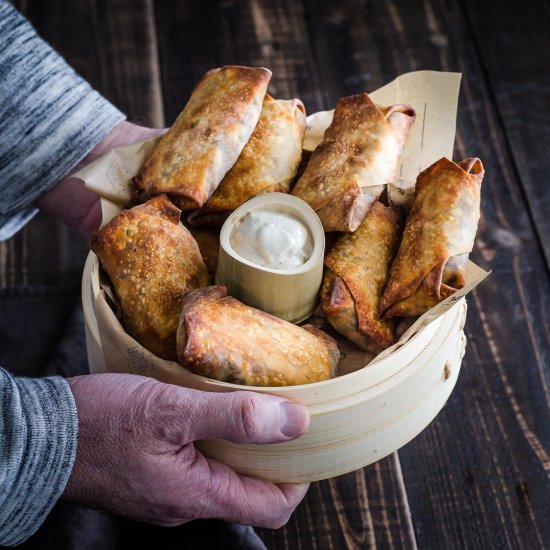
(276, 35)
(44, 252)
(254, 32)
(363, 509)
(478, 476)
(113, 46)
(512, 46)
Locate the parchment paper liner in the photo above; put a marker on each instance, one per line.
(434, 96)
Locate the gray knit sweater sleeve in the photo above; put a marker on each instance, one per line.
(38, 440)
(50, 118)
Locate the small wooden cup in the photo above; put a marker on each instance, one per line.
(289, 294)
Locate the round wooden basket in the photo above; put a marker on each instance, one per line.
(356, 419)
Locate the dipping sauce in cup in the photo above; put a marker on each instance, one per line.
(272, 239)
(271, 256)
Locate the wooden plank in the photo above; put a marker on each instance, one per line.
(131, 59)
(197, 36)
(112, 45)
(364, 508)
(32, 322)
(478, 476)
(512, 41)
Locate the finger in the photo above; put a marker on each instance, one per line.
(249, 500)
(243, 417)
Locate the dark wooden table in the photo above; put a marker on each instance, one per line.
(478, 476)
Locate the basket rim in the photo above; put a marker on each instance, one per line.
(89, 318)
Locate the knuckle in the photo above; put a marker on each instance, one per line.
(150, 399)
(171, 516)
(249, 416)
(274, 522)
(157, 410)
(169, 522)
(182, 497)
(281, 520)
(275, 516)
(168, 414)
(220, 490)
(162, 396)
(285, 511)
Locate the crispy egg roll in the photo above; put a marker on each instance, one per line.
(152, 260)
(357, 271)
(439, 235)
(356, 159)
(208, 239)
(221, 338)
(206, 139)
(268, 162)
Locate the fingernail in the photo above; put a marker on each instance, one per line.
(294, 419)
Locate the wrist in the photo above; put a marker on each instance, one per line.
(123, 133)
(74, 205)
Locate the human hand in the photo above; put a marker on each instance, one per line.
(136, 455)
(70, 202)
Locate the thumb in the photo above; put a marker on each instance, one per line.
(247, 417)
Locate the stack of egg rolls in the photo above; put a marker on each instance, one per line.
(376, 274)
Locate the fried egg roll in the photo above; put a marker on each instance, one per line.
(438, 237)
(356, 159)
(208, 239)
(357, 271)
(268, 162)
(206, 139)
(152, 260)
(221, 338)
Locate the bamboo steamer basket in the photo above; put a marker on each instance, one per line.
(356, 419)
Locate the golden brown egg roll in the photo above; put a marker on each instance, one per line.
(357, 271)
(356, 159)
(206, 139)
(208, 239)
(221, 338)
(439, 235)
(152, 260)
(268, 163)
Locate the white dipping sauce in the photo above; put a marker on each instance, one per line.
(272, 239)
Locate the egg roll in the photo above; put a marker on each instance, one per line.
(208, 239)
(439, 235)
(357, 270)
(152, 260)
(268, 162)
(356, 159)
(206, 139)
(220, 337)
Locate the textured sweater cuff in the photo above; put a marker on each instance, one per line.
(50, 118)
(38, 442)
(10, 225)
